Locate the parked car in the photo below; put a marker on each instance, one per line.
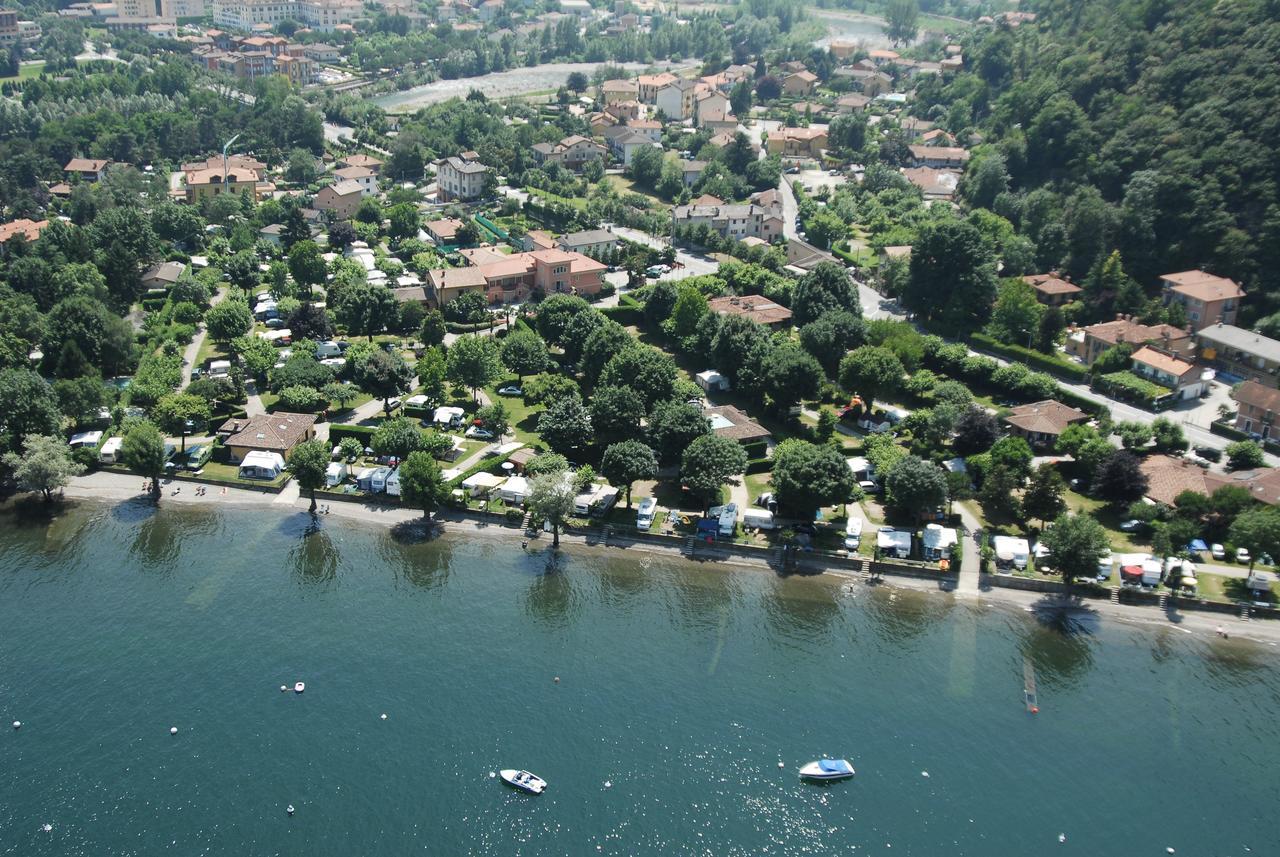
(1132, 525)
(393, 404)
(274, 323)
(869, 487)
(478, 433)
(1217, 551)
(1242, 556)
(792, 170)
(833, 172)
(1209, 452)
(767, 501)
(510, 390)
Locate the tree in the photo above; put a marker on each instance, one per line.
(1043, 498)
(740, 98)
(1244, 455)
(952, 278)
(473, 361)
(871, 372)
(566, 425)
(81, 398)
(546, 389)
(404, 221)
(900, 20)
(808, 476)
(1119, 477)
(309, 464)
(916, 486)
(790, 375)
(648, 371)
(576, 82)
(823, 228)
(367, 309)
(342, 235)
(179, 413)
(646, 166)
(432, 370)
(1133, 435)
(383, 375)
(1258, 531)
(495, 417)
(975, 431)
(825, 289)
(45, 465)
(998, 493)
(142, 451)
(28, 406)
(257, 355)
(1171, 538)
(312, 322)
(551, 497)
(228, 320)
(300, 398)
(556, 313)
(710, 462)
(1015, 318)
(627, 461)
(1076, 544)
(1014, 454)
(433, 328)
(673, 426)
(422, 483)
(397, 438)
(689, 308)
(524, 353)
(830, 336)
(306, 264)
(1168, 436)
(340, 393)
(608, 339)
(768, 88)
(301, 168)
(241, 271)
(616, 413)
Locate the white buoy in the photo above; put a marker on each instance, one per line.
(384, 717)
(283, 688)
(173, 730)
(782, 764)
(289, 809)
(47, 828)
(17, 724)
(1169, 850)
(608, 784)
(492, 774)
(924, 773)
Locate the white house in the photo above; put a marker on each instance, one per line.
(363, 176)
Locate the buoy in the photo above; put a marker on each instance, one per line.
(492, 774)
(556, 679)
(283, 688)
(173, 730)
(924, 773)
(299, 687)
(17, 724)
(608, 784)
(1035, 709)
(289, 809)
(782, 764)
(46, 827)
(1169, 850)
(384, 717)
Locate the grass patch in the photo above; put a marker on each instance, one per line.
(524, 416)
(26, 71)
(230, 473)
(625, 185)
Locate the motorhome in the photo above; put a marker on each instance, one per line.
(760, 519)
(853, 534)
(1010, 551)
(644, 516)
(110, 451)
(335, 474)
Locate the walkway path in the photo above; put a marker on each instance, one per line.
(192, 353)
(968, 580)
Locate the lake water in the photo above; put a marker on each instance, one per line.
(682, 685)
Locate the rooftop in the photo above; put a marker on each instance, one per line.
(1240, 339)
(1167, 477)
(1162, 361)
(1046, 417)
(276, 432)
(1052, 284)
(755, 307)
(1203, 286)
(1257, 395)
(734, 423)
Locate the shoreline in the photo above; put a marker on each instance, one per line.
(114, 487)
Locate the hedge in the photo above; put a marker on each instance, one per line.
(1225, 429)
(759, 465)
(364, 434)
(1048, 362)
(1126, 385)
(624, 315)
(459, 327)
(1089, 406)
(844, 255)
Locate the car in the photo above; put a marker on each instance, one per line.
(833, 172)
(478, 433)
(343, 345)
(274, 323)
(654, 272)
(1217, 551)
(792, 170)
(869, 487)
(1242, 555)
(196, 373)
(393, 404)
(1132, 525)
(510, 390)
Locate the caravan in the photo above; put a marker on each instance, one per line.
(110, 452)
(760, 519)
(393, 483)
(1010, 551)
(726, 517)
(853, 534)
(378, 481)
(261, 465)
(644, 517)
(335, 474)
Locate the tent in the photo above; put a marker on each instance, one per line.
(480, 484)
(514, 490)
(1197, 546)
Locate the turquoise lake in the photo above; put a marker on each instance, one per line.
(682, 685)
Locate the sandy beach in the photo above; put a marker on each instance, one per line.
(115, 487)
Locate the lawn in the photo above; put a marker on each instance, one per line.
(625, 185)
(1219, 587)
(26, 71)
(230, 473)
(524, 417)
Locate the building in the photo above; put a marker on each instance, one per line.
(799, 83)
(323, 15)
(1183, 377)
(443, 231)
(593, 242)
(624, 142)
(489, 10)
(322, 53)
(939, 157)
(1167, 477)
(936, 185)
(367, 161)
(852, 103)
(797, 142)
(613, 91)
(755, 307)
(1041, 423)
(279, 433)
(299, 70)
(691, 171)
(1206, 299)
(648, 85)
(1051, 289)
(363, 176)
(516, 277)
(676, 99)
(728, 421)
(571, 152)
(28, 229)
(87, 169)
(163, 276)
(730, 221)
(342, 198)
(581, 8)
(460, 177)
(1241, 353)
(1089, 343)
(1258, 405)
(212, 181)
(536, 239)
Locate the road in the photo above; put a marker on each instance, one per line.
(193, 350)
(691, 264)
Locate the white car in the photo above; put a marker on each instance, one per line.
(510, 390)
(1217, 551)
(1242, 555)
(479, 433)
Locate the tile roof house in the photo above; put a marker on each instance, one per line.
(1207, 299)
(728, 421)
(1259, 406)
(517, 276)
(28, 229)
(590, 242)
(1242, 353)
(88, 169)
(342, 198)
(852, 103)
(572, 151)
(755, 307)
(619, 90)
(279, 432)
(799, 83)
(460, 177)
(1052, 289)
(797, 142)
(367, 161)
(163, 275)
(649, 84)
(939, 157)
(1181, 376)
(1167, 477)
(363, 176)
(730, 221)
(934, 184)
(1040, 423)
(443, 231)
(1089, 343)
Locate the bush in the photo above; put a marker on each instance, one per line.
(1051, 363)
(363, 434)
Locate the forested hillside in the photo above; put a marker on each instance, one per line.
(1146, 126)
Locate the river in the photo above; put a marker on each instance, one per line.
(681, 689)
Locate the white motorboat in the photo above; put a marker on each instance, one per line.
(827, 769)
(523, 780)
(299, 687)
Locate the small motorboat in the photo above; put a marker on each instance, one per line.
(299, 687)
(523, 780)
(827, 769)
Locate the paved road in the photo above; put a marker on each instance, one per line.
(693, 264)
(193, 350)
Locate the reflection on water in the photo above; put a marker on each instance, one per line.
(423, 564)
(314, 557)
(802, 610)
(157, 543)
(551, 597)
(901, 616)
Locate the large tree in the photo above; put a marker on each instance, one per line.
(648, 371)
(871, 372)
(524, 353)
(228, 320)
(901, 17)
(550, 499)
(1258, 531)
(556, 313)
(45, 465)
(1076, 544)
(952, 280)
(916, 486)
(473, 361)
(824, 289)
(627, 461)
(397, 438)
(830, 336)
(809, 476)
(673, 426)
(566, 425)
(366, 309)
(790, 376)
(180, 413)
(309, 463)
(143, 452)
(422, 483)
(616, 413)
(1043, 498)
(28, 405)
(1119, 477)
(307, 264)
(709, 463)
(383, 375)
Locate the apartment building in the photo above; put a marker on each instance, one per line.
(1207, 299)
(460, 177)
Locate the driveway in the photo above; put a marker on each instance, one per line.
(193, 350)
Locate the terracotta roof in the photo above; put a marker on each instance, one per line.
(444, 229)
(1203, 286)
(1263, 485)
(235, 175)
(85, 165)
(755, 307)
(1167, 477)
(1157, 359)
(278, 432)
(742, 426)
(1257, 395)
(342, 188)
(1128, 330)
(1051, 284)
(353, 173)
(31, 229)
(360, 160)
(1047, 417)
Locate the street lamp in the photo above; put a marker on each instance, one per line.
(226, 146)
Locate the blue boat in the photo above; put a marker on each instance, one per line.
(827, 769)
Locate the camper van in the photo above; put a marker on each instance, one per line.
(85, 440)
(1010, 551)
(393, 484)
(727, 517)
(760, 519)
(597, 500)
(644, 516)
(335, 473)
(378, 481)
(853, 534)
(327, 348)
(110, 452)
